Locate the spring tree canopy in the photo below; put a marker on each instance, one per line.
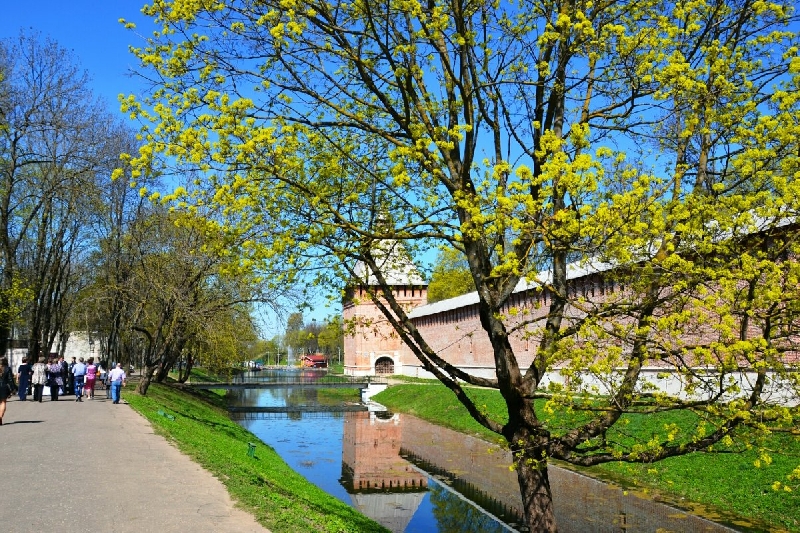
(657, 137)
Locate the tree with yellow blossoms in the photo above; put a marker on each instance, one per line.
(652, 143)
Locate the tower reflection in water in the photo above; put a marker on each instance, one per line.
(389, 488)
(416, 477)
(388, 460)
(382, 485)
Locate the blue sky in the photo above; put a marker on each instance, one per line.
(91, 31)
(87, 28)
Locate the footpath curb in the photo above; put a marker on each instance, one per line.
(74, 466)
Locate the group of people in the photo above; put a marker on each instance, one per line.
(78, 378)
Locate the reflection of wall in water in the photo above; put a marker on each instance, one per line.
(382, 485)
(473, 461)
(581, 504)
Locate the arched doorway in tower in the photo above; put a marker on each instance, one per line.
(384, 365)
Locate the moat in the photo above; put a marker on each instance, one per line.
(415, 477)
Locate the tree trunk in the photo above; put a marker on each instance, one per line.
(146, 379)
(5, 338)
(529, 451)
(183, 376)
(537, 500)
(163, 372)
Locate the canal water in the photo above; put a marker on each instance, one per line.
(415, 477)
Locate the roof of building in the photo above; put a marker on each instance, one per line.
(394, 263)
(574, 271)
(584, 268)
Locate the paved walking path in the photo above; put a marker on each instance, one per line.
(95, 466)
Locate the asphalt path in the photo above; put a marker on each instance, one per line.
(72, 466)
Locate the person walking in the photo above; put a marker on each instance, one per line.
(54, 378)
(78, 374)
(106, 369)
(70, 377)
(91, 378)
(6, 385)
(117, 378)
(102, 374)
(62, 390)
(24, 372)
(39, 379)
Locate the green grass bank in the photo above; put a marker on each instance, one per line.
(281, 499)
(721, 486)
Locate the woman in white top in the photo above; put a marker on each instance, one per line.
(38, 379)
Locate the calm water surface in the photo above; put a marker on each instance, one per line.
(415, 477)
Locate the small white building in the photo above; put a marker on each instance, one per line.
(80, 344)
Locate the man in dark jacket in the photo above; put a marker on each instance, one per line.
(71, 377)
(65, 374)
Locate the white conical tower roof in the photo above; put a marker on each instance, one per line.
(394, 263)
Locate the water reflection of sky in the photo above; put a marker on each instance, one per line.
(352, 455)
(452, 513)
(313, 446)
(319, 454)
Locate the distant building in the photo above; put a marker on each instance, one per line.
(314, 360)
(79, 344)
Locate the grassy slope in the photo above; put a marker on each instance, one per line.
(279, 498)
(728, 481)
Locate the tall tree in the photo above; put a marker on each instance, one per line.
(55, 141)
(185, 294)
(221, 343)
(654, 143)
(296, 337)
(116, 210)
(330, 338)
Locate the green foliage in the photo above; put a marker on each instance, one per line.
(187, 294)
(296, 335)
(433, 402)
(721, 484)
(13, 300)
(205, 375)
(226, 337)
(654, 145)
(280, 499)
(260, 349)
(724, 479)
(338, 396)
(330, 339)
(451, 276)
(58, 144)
(326, 336)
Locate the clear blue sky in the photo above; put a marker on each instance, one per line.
(89, 29)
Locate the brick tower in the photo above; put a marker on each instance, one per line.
(372, 347)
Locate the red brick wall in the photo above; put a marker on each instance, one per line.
(457, 336)
(372, 336)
